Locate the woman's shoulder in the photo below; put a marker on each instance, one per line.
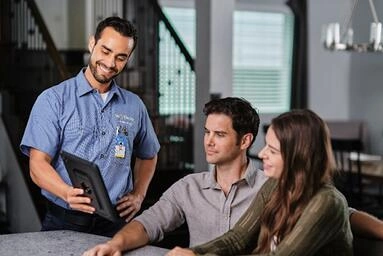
(330, 190)
(269, 185)
(328, 197)
(266, 190)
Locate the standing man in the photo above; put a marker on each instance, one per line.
(90, 116)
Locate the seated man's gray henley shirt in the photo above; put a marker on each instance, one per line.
(199, 200)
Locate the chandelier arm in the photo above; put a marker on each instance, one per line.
(373, 11)
(347, 21)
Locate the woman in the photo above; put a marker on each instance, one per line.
(298, 211)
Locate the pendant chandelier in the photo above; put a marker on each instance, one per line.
(333, 40)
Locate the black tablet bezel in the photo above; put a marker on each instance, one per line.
(86, 175)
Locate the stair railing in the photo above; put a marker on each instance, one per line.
(29, 31)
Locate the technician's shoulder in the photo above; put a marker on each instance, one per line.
(130, 97)
(59, 91)
(67, 84)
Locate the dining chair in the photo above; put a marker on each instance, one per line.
(349, 171)
(357, 171)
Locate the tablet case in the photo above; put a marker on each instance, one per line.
(86, 175)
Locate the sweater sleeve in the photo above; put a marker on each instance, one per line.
(244, 235)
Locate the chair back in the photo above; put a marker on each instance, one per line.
(347, 143)
(347, 158)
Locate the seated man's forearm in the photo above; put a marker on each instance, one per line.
(132, 236)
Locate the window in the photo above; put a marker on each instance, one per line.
(183, 21)
(262, 57)
(176, 79)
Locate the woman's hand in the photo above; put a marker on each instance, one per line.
(178, 251)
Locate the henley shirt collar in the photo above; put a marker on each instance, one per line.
(210, 181)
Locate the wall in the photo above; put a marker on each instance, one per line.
(328, 71)
(366, 76)
(21, 212)
(54, 13)
(65, 20)
(346, 85)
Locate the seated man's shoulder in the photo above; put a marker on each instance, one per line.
(194, 177)
(185, 185)
(190, 180)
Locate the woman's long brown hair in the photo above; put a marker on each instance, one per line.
(308, 164)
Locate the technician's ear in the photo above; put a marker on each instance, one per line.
(246, 140)
(91, 43)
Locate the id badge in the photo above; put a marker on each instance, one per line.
(119, 151)
(121, 142)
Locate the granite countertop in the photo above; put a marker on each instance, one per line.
(63, 242)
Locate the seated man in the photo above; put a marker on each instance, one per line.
(210, 202)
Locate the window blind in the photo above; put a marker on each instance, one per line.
(262, 59)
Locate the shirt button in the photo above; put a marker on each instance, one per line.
(102, 156)
(103, 133)
(102, 111)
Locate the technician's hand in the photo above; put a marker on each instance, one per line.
(106, 249)
(77, 201)
(178, 251)
(129, 205)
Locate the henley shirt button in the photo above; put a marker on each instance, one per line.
(102, 156)
(103, 133)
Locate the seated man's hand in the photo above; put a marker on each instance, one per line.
(107, 249)
(129, 205)
(178, 251)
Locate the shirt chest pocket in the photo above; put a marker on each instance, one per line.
(75, 128)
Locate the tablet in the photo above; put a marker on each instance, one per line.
(86, 175)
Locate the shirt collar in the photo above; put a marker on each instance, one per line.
(84, 87)
(251, 172)
(250, 176)
(210, 181)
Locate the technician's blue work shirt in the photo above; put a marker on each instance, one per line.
(72, 116)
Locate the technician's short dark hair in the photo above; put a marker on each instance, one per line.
(123, 26)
